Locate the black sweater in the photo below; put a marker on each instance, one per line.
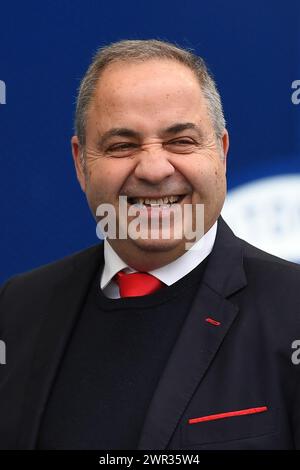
(112, 365)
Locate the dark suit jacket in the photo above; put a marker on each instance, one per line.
(231, 365)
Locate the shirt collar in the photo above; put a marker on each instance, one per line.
(169, 273)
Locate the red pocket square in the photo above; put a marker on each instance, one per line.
(229, 414)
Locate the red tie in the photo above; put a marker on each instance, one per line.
(136, 284)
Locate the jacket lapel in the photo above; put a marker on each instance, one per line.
(62, 311)
(198, 341)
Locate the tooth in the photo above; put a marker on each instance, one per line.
(137, 200)
(165, 200)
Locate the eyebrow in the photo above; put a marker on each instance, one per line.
(183, 126)
(130, 133)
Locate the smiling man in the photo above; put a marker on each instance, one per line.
(149, 136)
(148, 341)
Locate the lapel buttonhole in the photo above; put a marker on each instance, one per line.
(212, 321)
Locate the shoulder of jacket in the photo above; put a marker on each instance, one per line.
(50, 272)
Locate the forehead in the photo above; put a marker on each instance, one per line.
(155, 91)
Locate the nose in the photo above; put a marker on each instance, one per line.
(153, 165)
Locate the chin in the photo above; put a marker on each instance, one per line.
(156, 246)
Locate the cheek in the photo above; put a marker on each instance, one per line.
(202, 176)
(97, 187)
(217, 185)
(208, 180)
(219, 177)
(105, 179)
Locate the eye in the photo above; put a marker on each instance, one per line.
(181, 145)
(121, 146)
(181, 142)
(121, 149)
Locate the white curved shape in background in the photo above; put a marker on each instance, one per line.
(266, 213)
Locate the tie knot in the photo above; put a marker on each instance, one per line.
(137, 284)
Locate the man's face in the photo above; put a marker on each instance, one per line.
(149, 135)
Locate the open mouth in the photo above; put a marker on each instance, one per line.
(165, 201)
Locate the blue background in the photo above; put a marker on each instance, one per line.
(252, 48)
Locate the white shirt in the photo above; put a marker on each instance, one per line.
(168, 274)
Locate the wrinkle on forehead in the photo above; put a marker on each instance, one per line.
(165, 79)
(161, 92)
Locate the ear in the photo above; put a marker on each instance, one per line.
(225, 147)
(77, 153)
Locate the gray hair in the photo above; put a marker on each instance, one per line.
(140, 51)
